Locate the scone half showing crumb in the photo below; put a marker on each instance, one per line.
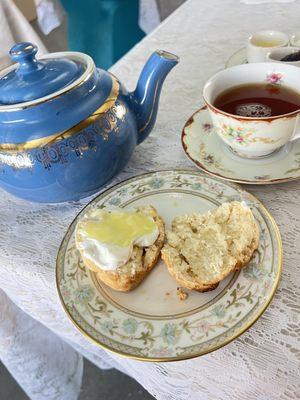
(117, 274)
(202, 249)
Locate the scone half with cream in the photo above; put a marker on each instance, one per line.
(202, 249)
(121, 246)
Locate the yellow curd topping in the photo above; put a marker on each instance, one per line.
(119, 228)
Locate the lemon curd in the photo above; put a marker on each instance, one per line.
(119, 228)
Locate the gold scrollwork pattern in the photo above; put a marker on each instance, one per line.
(105, 108)
(58, 151)
(110, 121)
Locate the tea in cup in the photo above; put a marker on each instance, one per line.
(254, 107)
(263, 42)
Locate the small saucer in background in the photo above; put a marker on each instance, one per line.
(237, 58)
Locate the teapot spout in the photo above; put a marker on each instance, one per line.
(145, 98)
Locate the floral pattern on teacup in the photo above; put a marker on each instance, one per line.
(242, 136)
(237, 135)
(274, 78)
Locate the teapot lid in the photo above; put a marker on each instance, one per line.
(33, 78)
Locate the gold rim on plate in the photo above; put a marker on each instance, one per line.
(250, 323)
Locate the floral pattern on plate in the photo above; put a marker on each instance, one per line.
(180, 335)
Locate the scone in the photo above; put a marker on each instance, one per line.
(201, 250)
(142, 258)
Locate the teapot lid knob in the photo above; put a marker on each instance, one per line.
(24, 54)
(31, 78)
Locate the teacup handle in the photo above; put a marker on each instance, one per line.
(296, 133)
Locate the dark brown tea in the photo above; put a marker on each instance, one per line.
(258, 100)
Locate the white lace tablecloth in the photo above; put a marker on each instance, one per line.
(37, 344)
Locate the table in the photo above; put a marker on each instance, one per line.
(41, 347)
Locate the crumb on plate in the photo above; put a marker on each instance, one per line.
(182, 294)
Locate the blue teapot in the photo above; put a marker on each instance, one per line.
(66, 127)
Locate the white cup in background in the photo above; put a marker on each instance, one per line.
(295, 39)
(276, 55)
(263, 42)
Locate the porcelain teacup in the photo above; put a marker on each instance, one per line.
(262, 42)
(254, 137)
(277, 55)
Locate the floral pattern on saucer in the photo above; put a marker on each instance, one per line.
(178, 336)
(210, 154)
(211, 159)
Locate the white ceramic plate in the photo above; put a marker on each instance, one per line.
(237, 58)
(205, 149)
(151, 323)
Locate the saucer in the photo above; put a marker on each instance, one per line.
(205, 149)
(237, 58)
